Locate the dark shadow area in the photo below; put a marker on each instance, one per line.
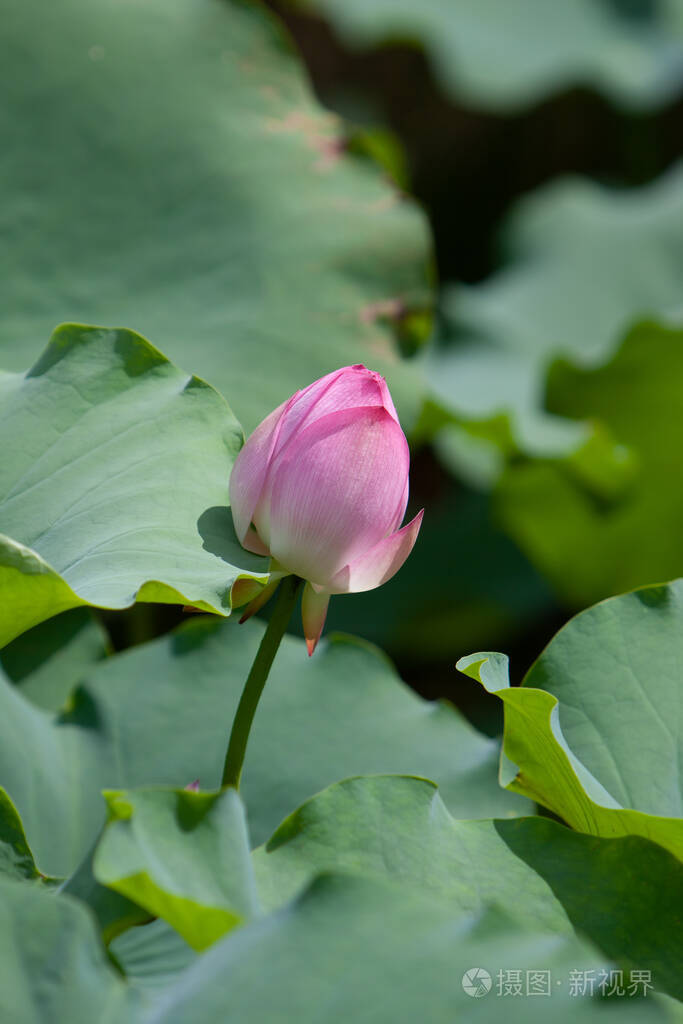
(84, 711)
(142, 622)
(190, 812)
(29, 651)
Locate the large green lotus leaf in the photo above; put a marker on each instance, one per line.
(349, 948)
(53, 966)
(624, 894)
(114, 482)
(160, 714)
(582, 262)
(538, 762)
(183, 856)
(503, 56)
(343, 711)
(370, 951)
(49, 660)
(595, 732)
(590, 548)
(396, 827)
(614, 670)
(165, 165)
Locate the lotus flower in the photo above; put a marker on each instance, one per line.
(322, 487)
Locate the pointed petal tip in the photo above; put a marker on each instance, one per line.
(380, 563)
(313, 615)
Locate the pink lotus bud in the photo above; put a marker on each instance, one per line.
(322, 486)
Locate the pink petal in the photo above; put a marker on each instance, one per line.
(352, 387)
(347, 388)
(252, 542)
(248, 477)
(387, 401)
(401, 510)
(380, 563)
(313, 615)
(302, 404)
(336, 491)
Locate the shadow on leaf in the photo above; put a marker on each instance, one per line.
(216, 529)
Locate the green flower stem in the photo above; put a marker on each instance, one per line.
(256, 680)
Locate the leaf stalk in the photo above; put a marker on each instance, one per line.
(256, 680)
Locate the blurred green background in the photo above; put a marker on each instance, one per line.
(542, 141)
(525, 303)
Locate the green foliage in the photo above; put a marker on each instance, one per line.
(503, 56)
(582, 262)
(16, 858)
(538, 872)
(150, 957)
(364, 950)
(552, 389)
(183, 856)
(190, 186)
(397, 950)
(599, 745)
(52, 966)
(165, 164)
(90, 498)
(589, 544)
(161, 713)
(114, 912)
(48, 661)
